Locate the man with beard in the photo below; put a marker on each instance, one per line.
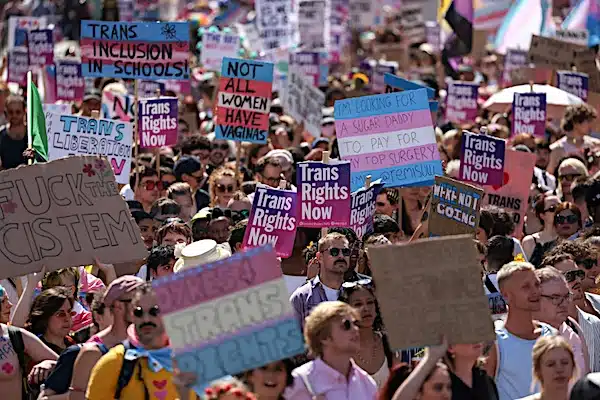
(145, 356)
(334, 258)
(219, 154)
(509, 361)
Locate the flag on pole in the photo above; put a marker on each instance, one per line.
(37, 138)
(458, 14)
(585, 15)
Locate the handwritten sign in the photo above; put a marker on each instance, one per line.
(18, 65)
(454, 207)
(274, 23)
(461, 102)
(575, 83)
(228, 317)
(63, 214)
(244, 100)
(304, 102)
(312, 64)
(363, 208)
(158, 122)
(482, 159)
(397, 84)
(216, 46)
(513, 194)
(75, 135)
(135, 50)
(70, 85)
(314, 18)
(272, 220)
(390, 137)
(41, 47)
(529, 114)
(117, 106)
(324, 191)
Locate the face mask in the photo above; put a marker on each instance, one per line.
(328, 130)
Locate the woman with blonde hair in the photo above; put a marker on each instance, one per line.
(223, 183)
(553, 368)
(569, 169)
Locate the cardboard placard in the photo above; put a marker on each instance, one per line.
(482, 159)
(304, 102)
(314, 24)
(437, 291)
(216, 46)
(324, 194)
(158, 121)
(576, 36)
(134, 50)
(397, 52)
(273, 20)
(461, 102)
(41, 47)
(513, 194)
(70, 85)
(363, 208)
(63, 214)
(454, 207)
(529, 114)
(239, 303)
(390, 137)
(575, 83)
(273, 220)
(244, 100)
(526, 75)
(75, 135)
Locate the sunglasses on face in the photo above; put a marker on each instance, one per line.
(568, 177)
(347, 324)
(566, 219)
(380, 204)
(367, 282)
(588, 263)
(334, 251)
(573, 275)
(166, 184)
(153, 312)
(225, 188)
(241, 214)
(222, 146)
(150, 185)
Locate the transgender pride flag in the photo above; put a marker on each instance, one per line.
(585, 15)
(524, 19)
(489, 14)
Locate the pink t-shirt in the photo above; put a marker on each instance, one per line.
(575, 341)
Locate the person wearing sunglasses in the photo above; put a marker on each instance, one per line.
(222, 184)
(333, 339)
(569, 170)
(146, 186)
(268, 171)
(333, 256)
(219, 153)
(567, 219)
(538, 243)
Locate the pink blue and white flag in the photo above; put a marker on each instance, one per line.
(585, 15)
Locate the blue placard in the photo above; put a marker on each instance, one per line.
(247, 69)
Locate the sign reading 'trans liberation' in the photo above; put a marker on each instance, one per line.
(390, 137)
(134, 50)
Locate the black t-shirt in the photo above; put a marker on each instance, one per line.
(483, 387)
(11, 151)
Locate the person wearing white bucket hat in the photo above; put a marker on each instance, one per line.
(201, 252)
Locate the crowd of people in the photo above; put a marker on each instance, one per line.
(96, 331)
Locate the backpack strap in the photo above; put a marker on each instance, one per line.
(127, 371)
(489, 285)
(16, 340)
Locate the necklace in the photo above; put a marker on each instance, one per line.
(372, 350)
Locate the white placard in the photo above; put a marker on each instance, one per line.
(304, 102)
(215, 46)
(314, 24)
(276, 22)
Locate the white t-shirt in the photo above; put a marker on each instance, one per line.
(331, 294)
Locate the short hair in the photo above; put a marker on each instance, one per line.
(194, 142)
(264, 161)
(164, 206)
(545, 344)
(174, 227)
(567, 205)
(577, 114)
(15, 98)
(580, 189)
(53, 278)
(179, 189)
(237, 234)
(486, 222)
(347, 232)
(507, 271)
(385, 224)
(160, 255)
(573, 162)
(317, 325)
(548, 273)
(330, 237)
(553, 259)
(142, 172)
(503, 223)
(579, 250)
(500, 251)
(542, 144)
(392, 195)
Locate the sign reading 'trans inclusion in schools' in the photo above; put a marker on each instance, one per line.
(135, 50)
(390, 137)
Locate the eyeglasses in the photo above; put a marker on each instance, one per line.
(335, 251)
(550, 209)
(241, 214)
(153, 312)
(347, 324)
(557, 300)
(63, 314)
(368, 282)
(273, 181)
(573, 275)
(566, 219)
(166, 184)
(222, 146)
(225, 188)
(569, 177)
(588, 263)
(150, 185)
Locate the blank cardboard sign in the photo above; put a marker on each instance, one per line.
(435, 290)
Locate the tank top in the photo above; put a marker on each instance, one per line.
(381, 376)
(514, 374)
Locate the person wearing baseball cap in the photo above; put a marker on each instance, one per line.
(92, 101)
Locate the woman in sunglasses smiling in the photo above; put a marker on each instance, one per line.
(535, 245)
(567, 219)
(222, 185)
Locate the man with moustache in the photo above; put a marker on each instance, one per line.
(334, 258)
(509, 361)
(148, 347)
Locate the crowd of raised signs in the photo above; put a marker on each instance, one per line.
(295, 200)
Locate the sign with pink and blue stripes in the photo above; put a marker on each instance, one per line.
(390, 137)
(229, 316)
(135, 50)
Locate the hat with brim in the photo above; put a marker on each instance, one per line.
(198, 253)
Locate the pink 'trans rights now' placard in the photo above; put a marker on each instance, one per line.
(461, 102)
(158, 122)
(482, 159)
(272, 220)
(529, 114)
(324, 191)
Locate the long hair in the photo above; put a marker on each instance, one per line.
(45, 306)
